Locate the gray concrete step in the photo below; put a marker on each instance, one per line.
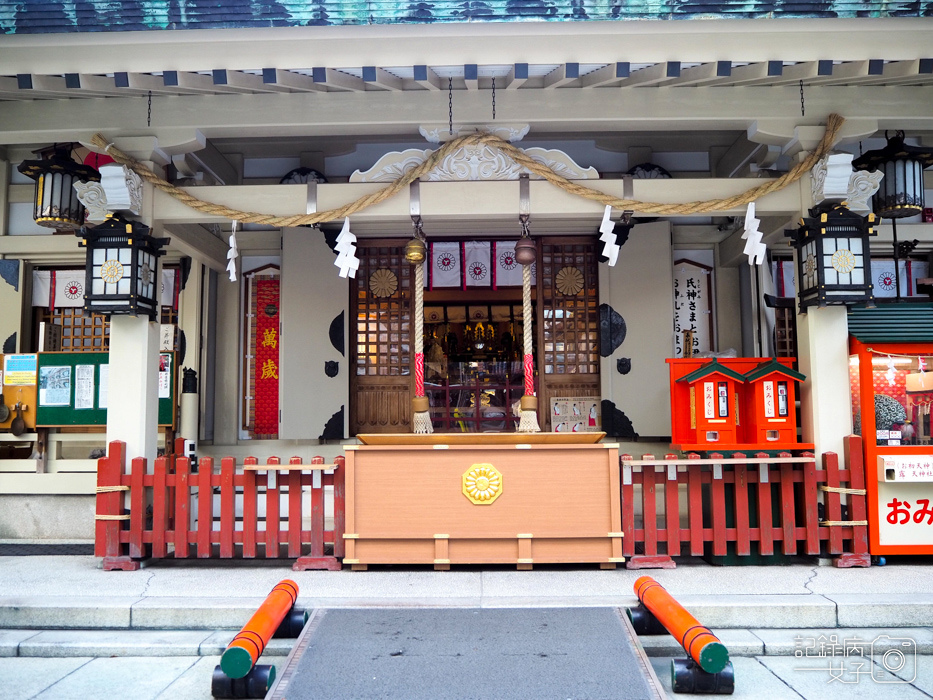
(807, 643)
(106, 643)
(813, 611)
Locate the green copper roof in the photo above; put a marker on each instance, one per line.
(713, 367)
(766, 368)
(892, 323)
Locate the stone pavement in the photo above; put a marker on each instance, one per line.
(70, 630)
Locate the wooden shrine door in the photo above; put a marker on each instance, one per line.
(567, 351)
(381, 343)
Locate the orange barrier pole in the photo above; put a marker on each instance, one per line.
(699, 643)
(245, 649)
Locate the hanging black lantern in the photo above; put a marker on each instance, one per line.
(901, 191)
(833, 258)
(122, 268)
(56, 201)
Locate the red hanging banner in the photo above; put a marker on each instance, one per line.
(266, 392)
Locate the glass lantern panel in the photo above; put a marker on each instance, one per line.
(123, 286)
(855, 245)
(97, 256)
(125, 255)
(858, 276)
(829, 273)
(97, 284)
(829, 246)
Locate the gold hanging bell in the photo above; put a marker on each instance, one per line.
(415, 251)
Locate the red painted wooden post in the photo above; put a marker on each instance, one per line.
(137, 507)
(340, 502)
(227, 507)
(159, 508)
(182, 499)
(765, 516)
(317, 510)
(649, 507)
(294, 509)
(695, 505)
(811, 517)
(628, 506)
(717, 490)
(788, 523)
(672, 508)
(857, 505)
(109, 501)
(272, 510)
(743, 547)
(249, 509)
(832, 501)
(205, 507)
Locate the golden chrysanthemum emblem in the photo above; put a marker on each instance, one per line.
(383, 283)
(482, 484)
(569, 280)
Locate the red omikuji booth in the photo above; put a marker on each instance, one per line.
(896, 378)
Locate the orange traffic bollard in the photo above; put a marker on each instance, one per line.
(243, 652)
(699, 643)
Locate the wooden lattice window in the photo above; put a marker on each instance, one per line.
(80, 333)
(785, 332)
(383, 320)
(569, 313)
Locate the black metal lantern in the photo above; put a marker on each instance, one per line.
(833, 258)
(56, 201)
(901, 191)
(122, 268)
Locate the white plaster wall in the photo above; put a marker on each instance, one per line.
(312, 295)
(641, 288)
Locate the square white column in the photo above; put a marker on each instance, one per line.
(133, 390)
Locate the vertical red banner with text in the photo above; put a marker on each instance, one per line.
(266, 393)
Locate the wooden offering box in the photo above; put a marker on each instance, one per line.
(501, 498)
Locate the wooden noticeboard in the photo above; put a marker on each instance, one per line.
(72, 389)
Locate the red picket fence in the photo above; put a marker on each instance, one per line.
(772, 502)
(172, 492)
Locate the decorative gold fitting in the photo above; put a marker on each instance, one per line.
(415, 251)
(419, 404)
(529, 403)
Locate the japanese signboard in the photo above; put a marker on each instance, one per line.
(692, 306)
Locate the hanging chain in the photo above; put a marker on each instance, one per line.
(494, 97)
(803, 111)
(450, 106)
(149, 113)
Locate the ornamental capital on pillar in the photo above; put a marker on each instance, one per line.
(119, 189)
(834, 180)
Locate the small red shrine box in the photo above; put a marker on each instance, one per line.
(714, 405)
(772, 419)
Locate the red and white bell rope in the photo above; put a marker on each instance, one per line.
(528, 417)
(421, 419)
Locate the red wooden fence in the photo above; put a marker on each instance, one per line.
(124, 536)
(773, 502)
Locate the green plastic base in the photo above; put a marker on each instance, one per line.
(236, 662)
(714, 657)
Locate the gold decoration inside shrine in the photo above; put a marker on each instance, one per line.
(569, 281)
(383, 283)
(482, 484)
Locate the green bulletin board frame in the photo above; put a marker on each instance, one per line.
(61, 416)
